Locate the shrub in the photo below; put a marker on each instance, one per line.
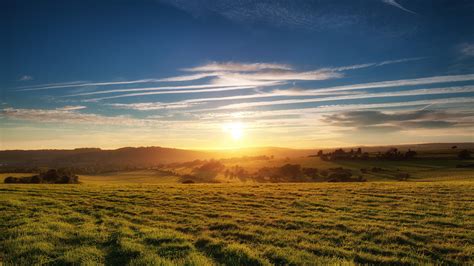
(402, 176)
(339, 177)
(310, 172)
(377, 169)
(11, 180)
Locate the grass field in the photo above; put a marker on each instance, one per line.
(131, 177)
(402, 223)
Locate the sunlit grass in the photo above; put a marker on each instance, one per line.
(285, 224)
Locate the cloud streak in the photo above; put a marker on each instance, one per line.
(397, 5)
(188, 103)
(237, 67)
(228, 72)
(400, 119)
(249, 77)
(26, 78)
(305, 111)
(71, 108)
(69, 116)
(218, 89)
(449, 90)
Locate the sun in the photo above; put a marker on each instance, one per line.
(235, 129)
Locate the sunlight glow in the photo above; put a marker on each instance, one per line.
(235, 130)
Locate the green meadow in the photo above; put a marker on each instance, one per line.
(398, 223)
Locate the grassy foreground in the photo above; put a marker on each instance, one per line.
(258, 224)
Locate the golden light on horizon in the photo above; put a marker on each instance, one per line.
(235, 129)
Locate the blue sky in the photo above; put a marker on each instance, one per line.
(283, 73)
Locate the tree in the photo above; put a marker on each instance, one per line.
(293, 171)
(410, 154)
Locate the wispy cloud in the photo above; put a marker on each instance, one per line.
(238, 67)
(25, 78)
(69, 116)
(308, 111)
(38, 86)
(400, 119)
(218, 89)
(449, 90)
(401, 82)
(234, 72)
(397, 5)
(86, 84)
(227, 73)
(187, 88)
(191, 77)
(151, 106)
(190, 102)
(328, 91)
(231, 76)
(308, 15)
(466, 50)
(71, 108)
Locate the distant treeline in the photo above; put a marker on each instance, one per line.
(208, 171)
(51, 176)
(341, 154)
(392, 154)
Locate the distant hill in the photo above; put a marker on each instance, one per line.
(147, 156)
(140, 156)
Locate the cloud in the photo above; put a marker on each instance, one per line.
(25, 78)
(49, 84)
(238, 67)
(84, 84)
(402, 119)
(190, 102)
(191, 77)
(187, 88)
(71, 108)
(401, 82)
(397, 5)
(308, 111)
(466, 50)
(218, 89)
(68, 116)
(226, 73)
(150, 106)
(236, 75)
(328, 91)
(308, 15)
(433, 91)
(264, 71)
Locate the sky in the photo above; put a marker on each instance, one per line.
(235, 73)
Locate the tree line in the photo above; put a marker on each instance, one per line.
(52, 176)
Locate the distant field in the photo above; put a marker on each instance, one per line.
(422, 169)
(405, 223)
(142, 176)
